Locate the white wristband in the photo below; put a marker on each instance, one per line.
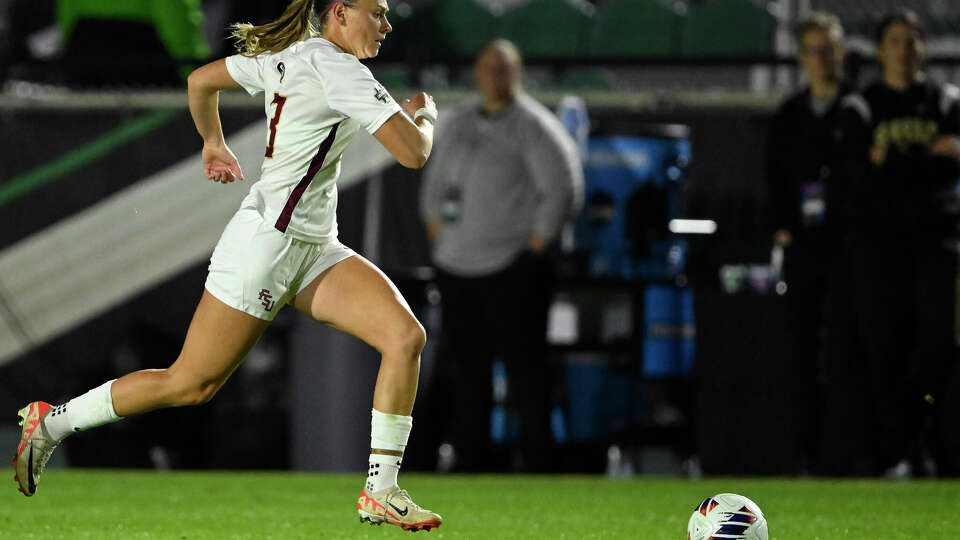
(424, 112)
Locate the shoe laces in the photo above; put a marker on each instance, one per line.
(402, 494)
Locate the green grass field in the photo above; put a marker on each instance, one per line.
(78, 504)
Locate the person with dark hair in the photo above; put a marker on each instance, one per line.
(500, 187)
(802, 165)
(903, 139)
(281, 246)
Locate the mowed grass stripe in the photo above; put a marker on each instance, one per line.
(122, 505)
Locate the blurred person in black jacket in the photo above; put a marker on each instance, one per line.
(903, 139)
(802, 164)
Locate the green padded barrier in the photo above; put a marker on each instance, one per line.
(728, 28)
(582, 79)
(629, 28)
(179, 23)
(463, 27)
(546, 28)
(393, 77)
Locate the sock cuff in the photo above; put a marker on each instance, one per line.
(384, 459)
(108, 406)
(389, 431)
(93, 409)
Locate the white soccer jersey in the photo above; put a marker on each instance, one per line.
(315, 98)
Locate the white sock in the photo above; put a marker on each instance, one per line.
(95, 408)
(388, 432)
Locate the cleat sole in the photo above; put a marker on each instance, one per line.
(411, 527)
(16, 478)
(414, 527)
(21, 418)
(370, 521)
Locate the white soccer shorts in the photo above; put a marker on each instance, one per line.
(257, 269)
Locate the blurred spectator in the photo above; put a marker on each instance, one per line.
(802, 162)
(503, 178)
(897, 333)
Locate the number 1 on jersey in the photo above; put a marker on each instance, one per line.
(279, 101)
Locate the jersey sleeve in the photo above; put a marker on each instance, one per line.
(352, 91)
(247, 71)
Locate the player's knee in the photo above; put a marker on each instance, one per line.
(417, 338)
(409, 338)
(188, 391)
(202, 392)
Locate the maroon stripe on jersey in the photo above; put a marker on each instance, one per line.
(315, 165)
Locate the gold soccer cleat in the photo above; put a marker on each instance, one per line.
(34, 449)
(394, 506)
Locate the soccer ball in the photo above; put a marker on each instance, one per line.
(727, 515)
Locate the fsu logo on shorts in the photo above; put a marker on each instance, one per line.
(267, 300)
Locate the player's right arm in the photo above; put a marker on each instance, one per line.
(203, 90)
(409, 141)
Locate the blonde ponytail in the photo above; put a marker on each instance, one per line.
(297, 23)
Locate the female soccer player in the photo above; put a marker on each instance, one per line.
(281, 246)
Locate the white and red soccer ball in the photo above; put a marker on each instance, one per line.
(727, 516)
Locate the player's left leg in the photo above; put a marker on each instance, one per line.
(356, 297)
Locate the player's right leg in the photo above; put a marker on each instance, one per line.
(218, 339)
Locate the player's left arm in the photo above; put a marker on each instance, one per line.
(203, 91)
(353, 91)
